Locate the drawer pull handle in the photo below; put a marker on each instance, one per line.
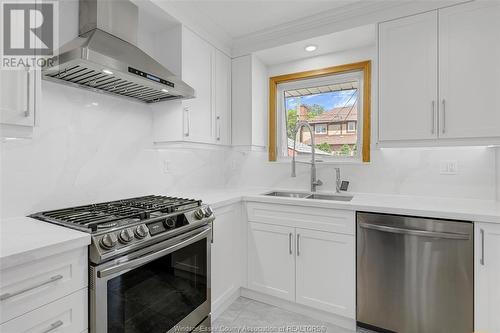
(3, 297)
(53, 326)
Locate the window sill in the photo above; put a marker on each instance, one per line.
(325, 161)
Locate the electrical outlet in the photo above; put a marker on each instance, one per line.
(166, 166)
(448, 168)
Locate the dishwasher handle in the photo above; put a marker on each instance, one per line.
(413, 232)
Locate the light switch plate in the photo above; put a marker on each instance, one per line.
(166, 166)
(449, 167)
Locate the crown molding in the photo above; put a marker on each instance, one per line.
(338, 19)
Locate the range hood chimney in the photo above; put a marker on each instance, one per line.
(104, 57)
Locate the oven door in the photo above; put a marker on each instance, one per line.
(159, 289)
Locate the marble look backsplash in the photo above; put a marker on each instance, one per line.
(91, 147)
(391, 171)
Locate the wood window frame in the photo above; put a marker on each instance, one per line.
(363, 66)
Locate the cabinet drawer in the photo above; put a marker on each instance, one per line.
(31, 285)
(332, 220)
(66, 315)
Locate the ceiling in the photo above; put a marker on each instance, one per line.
(240, 17)
(336, 42)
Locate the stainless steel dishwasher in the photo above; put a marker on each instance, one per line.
(414, 275)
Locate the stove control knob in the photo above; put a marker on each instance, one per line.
(141, 231)
(208, 211)
(126, 236)
(199, 214)
(170, 222)
(108, 241)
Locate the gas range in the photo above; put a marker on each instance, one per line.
(123, 226)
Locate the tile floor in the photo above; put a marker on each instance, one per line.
(246, 315)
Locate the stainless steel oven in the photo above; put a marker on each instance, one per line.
(164, 287)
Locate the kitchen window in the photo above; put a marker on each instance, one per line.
(334, 102)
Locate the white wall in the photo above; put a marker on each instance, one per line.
(391, 171)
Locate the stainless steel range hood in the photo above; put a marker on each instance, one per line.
(104, 57)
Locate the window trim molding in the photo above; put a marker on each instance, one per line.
(363, 66)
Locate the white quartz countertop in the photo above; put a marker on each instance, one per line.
(434, 207)
(23, 239)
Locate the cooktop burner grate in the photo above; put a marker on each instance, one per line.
(109, 214)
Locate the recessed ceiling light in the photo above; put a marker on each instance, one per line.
(107, 71)
(164, 90)
(310, 48)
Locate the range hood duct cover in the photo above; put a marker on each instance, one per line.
(104, 57)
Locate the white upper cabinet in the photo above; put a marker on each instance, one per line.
(17, 97)
(198, 67)
(469, 74)
(207, 117)
(408, 78)
(222, 98)
(487, 277)
(439, 79)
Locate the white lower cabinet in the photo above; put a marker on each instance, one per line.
(289, 260)
(46, 295)
(325, 271)
(66, 315)
(487, 277)
(271, 260)
(33, 284)
(225, 254)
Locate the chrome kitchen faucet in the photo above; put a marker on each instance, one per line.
(314, 181)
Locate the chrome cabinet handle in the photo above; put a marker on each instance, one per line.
(298, 245)
(212, 226)
(27, 113)
(290, 243)
(433, 129)
(188, 125)
(22, 291)
(218, 128)
(444, 116)
(482, 247)
(412, 232)
(53, 326)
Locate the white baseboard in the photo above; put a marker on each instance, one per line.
(347, 323)
(224, 301)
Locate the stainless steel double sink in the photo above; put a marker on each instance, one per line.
(312, 196)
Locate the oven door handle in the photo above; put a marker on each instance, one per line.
(153, 256)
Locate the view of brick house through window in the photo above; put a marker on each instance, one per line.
(332, 112)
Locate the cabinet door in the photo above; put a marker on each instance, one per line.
(197, 71)
(469, 75)
(408, 78)
(222, 98)
(17, 97)
(487, 277)
(224, 254)
(68, 314)
(271, 260)
(326, 271)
